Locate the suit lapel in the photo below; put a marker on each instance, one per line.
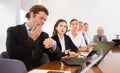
(102, 38)
(97, 38)
(66, 46)
(23, 31)
(58, 42)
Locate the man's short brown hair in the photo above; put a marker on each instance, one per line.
(37, 8)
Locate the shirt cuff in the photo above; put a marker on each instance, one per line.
(54, 46)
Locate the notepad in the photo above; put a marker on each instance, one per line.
(47, 71)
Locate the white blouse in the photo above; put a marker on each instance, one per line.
(78, 40)
(62, 42)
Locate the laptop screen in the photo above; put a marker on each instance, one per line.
(105, 46)
(97, 59)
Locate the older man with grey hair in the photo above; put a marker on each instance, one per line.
(99, 37)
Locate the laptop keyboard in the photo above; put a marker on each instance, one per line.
(74, 61)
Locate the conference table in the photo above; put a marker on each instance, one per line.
(110, 64)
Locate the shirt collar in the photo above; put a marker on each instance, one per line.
(27, 27)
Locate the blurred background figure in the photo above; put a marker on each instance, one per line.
(80, 26)
(99, 37)
(86, 34)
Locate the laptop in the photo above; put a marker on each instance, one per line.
(97, 59)
(78, 70)
(79, 60)
(106, 47)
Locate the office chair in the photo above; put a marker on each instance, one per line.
(44, 59)
(12, 66)
(4, 54)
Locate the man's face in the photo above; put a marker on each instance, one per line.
(38, 19)
(80, 27)
(74, 26)
(100, 32)
(85, 28)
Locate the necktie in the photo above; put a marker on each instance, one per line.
(29, 31)
(100, 38)
(85, 38)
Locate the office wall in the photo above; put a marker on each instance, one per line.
(26, 4)
(9, 16)
(96, 13)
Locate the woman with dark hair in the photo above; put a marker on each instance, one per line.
(63, 41)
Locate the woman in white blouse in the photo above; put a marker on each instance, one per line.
(76, 36)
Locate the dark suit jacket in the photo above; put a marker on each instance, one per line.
(68, 44)
(20, 46)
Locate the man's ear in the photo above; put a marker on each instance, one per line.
(32, 14)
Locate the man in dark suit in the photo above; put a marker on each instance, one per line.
(28, 43)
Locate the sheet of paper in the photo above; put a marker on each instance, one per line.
(46, 71)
